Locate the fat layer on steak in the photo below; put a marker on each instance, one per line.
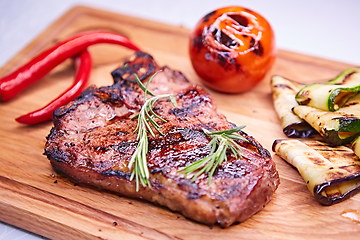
(93, 139)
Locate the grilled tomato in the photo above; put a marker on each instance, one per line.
(232, 49)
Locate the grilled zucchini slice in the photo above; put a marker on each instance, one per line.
(332, 95)
(332, 174)
(283, 92)
(337, 128)
(355, 145)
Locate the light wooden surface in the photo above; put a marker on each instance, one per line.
(34, 197)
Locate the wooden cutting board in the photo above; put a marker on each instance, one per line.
(34, 197)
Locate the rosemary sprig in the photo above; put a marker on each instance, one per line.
(146, 115)
(220, 142)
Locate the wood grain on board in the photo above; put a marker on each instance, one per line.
(34, 197)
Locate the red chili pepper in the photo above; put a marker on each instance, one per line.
(43, 63)
(83, 65)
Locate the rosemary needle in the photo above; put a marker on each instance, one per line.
(145, 122)
(220, 142)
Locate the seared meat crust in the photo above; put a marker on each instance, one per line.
(92, 142)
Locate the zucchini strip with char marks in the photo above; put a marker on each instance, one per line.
(337, 128)
(332, 95)
(284, 91)
(332, 174)
(355, 145)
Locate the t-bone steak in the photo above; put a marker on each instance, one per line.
(93, 139)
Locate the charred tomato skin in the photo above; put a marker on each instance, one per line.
(232, 49)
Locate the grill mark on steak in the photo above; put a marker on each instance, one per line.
(192, 102)
(117, 173)
(92, 142)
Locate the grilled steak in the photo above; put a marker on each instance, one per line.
(93, 140)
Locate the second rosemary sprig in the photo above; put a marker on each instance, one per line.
(146, 120)
(220, 142)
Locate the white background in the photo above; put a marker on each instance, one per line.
(322, 28)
